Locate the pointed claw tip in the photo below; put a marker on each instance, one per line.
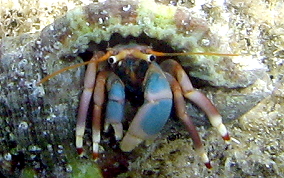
(95, 155)
(208, 165)
(226, 137)
(80, 151)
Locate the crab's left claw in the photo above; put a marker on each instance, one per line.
(155, 111)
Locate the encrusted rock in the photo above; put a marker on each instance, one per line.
(37, 122)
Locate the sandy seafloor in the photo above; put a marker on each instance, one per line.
(257, 30)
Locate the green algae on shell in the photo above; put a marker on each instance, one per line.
(176, 26)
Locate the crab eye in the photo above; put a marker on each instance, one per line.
(112, 59)
(151, 58)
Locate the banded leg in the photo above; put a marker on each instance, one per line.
(114, 109)
(155, 111)
(115, 105)
(89, 82)
(175, 69)
(99, 98)
(180, 107)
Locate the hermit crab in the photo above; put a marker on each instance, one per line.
(131, 70)
(124, 38)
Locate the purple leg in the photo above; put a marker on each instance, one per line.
(89, 82)
(176, 70)
(180, 107)
(99, 99)
(114, 109)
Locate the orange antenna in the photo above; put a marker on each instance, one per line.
(109, 53)
(156, 53)
(93, 60)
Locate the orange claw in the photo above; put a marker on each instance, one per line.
(208, 165)
(95, 155)
(226, 137)
(80, 151)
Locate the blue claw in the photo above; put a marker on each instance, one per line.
(156, 117)
(154, 113)
(115, 105)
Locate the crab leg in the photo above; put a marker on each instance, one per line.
(99, 98)
(89, 82)
(115, 105)
(155, 111)
(114, 109)
(175, 69)
(181, 112)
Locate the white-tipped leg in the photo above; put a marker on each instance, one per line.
(96, 140)
(211, 111)
(81, 120)
(89, 82)
(99, 98)
(201, 152)
(221, 128)
(79, 139)
(175, 69)
(180, 107)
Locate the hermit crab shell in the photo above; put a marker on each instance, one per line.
(147, 21)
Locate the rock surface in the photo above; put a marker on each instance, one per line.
(37, 122)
